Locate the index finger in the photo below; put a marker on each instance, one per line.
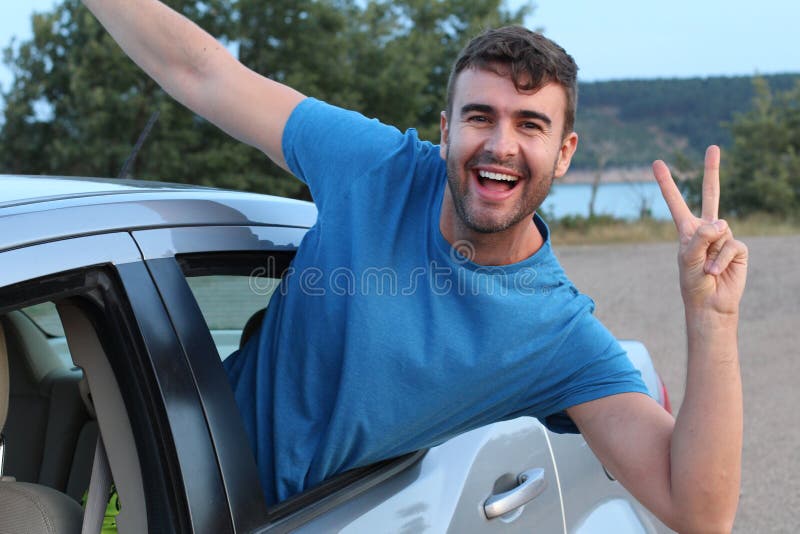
(711, 185)
(672, 196)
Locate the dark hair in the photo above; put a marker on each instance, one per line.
(529, 58)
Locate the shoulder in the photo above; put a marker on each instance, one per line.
(330, 135)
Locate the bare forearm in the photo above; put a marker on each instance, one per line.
(707, 440)
(165, 44)
(199, 72)
(687, 471)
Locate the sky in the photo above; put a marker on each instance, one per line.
(623, 39)
(620, 39)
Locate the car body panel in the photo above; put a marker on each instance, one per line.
(447, 491)
(18, 190)
(141, 231)
(591, 498)
(56, 217)
(30, 262)
(167, 242)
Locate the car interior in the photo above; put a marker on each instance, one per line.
(54, 468)
(58, 386)
(44, 401)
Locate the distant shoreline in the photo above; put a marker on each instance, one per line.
(609, 176)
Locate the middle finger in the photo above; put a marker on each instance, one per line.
(711, 184)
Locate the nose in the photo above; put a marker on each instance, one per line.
(502, 142)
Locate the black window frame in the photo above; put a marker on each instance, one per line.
(169, 274)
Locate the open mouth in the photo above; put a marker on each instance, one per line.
(496, 181)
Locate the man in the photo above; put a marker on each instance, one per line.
(488, 327)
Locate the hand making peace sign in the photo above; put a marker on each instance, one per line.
(713, 265)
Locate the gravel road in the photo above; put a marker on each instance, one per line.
(635, 288)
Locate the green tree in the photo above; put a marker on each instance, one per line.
(77, 104)
(763, 166)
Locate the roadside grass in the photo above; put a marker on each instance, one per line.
(607, 230)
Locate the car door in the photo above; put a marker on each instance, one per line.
(451, 488)
(211, 280)
(593, 501)
(151, 420)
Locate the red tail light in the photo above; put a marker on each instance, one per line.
(665, 396)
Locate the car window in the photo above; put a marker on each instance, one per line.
(229, 288)
(228, 302)
(51, 428)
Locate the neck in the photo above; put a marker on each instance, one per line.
(512, 245)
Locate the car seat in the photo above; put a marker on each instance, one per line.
(27, 507)
(252, 326)
(47, 414)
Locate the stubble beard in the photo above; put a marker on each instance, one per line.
(536, 189)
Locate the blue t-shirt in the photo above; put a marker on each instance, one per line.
(382, 339)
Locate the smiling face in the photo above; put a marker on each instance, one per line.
(503, 149)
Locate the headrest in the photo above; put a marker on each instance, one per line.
(28, 344)
(4, 385)
(252, 326)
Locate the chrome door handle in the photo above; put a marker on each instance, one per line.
(531, 484)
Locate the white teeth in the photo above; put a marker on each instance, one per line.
(497, 176)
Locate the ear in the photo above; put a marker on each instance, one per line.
(568, 147)
(445, 135)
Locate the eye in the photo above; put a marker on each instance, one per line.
(478, 119)
(530, 125)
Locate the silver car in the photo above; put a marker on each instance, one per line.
(118, 299)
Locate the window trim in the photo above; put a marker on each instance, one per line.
(244, 496)
(231, 441)
(169, 242)
(304, 507)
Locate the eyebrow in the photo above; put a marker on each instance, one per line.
(523, 113)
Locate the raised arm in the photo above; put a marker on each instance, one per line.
(687, 471)
(196, 70)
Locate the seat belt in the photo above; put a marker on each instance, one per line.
(99, 491)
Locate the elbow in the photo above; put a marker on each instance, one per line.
(701, 521)
(704, 508)
(703, 526)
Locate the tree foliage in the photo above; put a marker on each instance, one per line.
(77, 104)
(763, 171)
(649, 119)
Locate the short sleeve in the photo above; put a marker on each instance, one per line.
(594, 365)
(328, 147)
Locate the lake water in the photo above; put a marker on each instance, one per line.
(622, 200)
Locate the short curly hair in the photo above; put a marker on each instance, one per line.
(529, 58)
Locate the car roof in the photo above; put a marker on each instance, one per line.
(36, 209)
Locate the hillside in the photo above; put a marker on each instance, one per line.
(629, 123)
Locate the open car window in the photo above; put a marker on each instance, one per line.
(228, 301)
(75, 358)
(233, 290)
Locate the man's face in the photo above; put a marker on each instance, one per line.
(503, 149)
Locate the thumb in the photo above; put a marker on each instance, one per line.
(707, 235)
